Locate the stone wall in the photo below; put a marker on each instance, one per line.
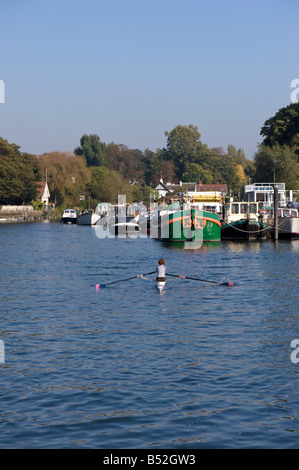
(20, 212)
(13, 209)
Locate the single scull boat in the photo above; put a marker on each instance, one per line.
(161, 285)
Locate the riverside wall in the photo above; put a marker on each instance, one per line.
(19, 213)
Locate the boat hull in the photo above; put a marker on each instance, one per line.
(288, 227)
(189, 225)
(90, 218)
(160, 285)
(68, 220)
(243, 229)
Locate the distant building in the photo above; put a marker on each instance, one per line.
(43, 193)
(191, 189)
(162, 189)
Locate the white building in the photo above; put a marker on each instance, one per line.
(43, 193)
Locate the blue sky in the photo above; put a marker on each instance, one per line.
(129, 70)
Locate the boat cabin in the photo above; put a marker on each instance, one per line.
(69, 216)
(241, 210)
(263, 194)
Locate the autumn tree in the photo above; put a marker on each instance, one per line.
(68, 176)
(128, 162)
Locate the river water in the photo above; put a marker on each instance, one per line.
(199, 365)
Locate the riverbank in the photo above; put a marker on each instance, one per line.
(13, 214)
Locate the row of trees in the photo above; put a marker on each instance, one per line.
(96, 171)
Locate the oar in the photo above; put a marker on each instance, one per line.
(202, 280)
(98, 286)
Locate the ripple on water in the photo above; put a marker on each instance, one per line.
(198, 366)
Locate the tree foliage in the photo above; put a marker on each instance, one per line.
(283, 160)
(68, 176)
(92, 149)
(18, 174)
(127, 162)
(196, 173)
(283, 128)
(106, 185)
(183, 147)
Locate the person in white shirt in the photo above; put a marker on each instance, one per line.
(161, 270)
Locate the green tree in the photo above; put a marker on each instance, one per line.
(106, 185)
(283, 160)
(239, 158)
(152, 162)
(184, 146)
(195, 173)
(92, 149)
(18, 174)
(283, 128)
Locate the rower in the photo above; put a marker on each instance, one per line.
(161, 271)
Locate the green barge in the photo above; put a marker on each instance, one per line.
(189, 225)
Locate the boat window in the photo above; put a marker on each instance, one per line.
(252, 208)
(294, 213)
(243, 208)
(235, 208)
(286, 213)
(260, 197)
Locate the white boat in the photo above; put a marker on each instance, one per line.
(92, 217)
(124, 220)
(160, 285)
(288, 223)
(88, 218)
(69, 216)
(125, 228)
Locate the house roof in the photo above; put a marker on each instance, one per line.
(161, 186)
(212, 187)
(182, 186)
(40, 187)
(192, 187)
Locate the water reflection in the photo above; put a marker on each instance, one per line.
(178, 246)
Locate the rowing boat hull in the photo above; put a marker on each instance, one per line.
(161, 285)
